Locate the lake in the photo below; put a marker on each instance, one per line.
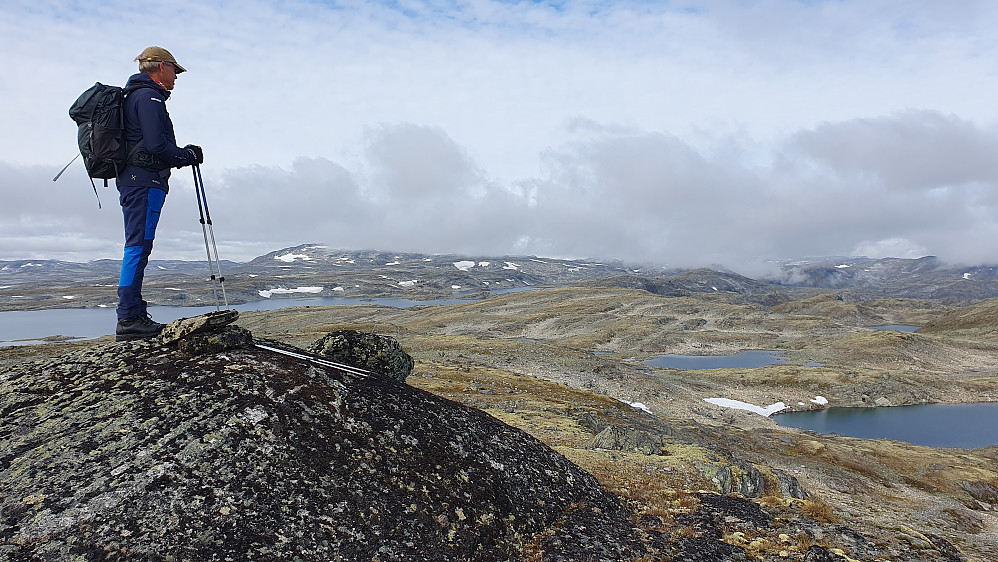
(749, 359)
(30, 326)
(966, 426)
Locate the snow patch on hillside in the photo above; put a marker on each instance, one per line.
(739, 405)
(280, 291)
(291, 257)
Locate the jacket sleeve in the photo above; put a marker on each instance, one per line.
(157, 129)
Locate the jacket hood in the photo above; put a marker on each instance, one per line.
(142, 80)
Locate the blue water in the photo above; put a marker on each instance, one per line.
(936, 425)
(30, 326)
(749, 359)
(896, 327)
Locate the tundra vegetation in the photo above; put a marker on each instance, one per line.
(564, 365)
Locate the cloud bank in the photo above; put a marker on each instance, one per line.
(724, 133)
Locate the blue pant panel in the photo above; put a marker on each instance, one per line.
(140, 208)
(130, 265)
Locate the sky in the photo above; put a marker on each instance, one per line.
(680, 134)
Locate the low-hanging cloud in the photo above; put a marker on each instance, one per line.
(915, 150)
(609, 192)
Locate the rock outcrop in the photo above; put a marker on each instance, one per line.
(372, 352)
(630, 439)
(139, 451)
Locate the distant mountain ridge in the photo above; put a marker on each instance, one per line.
(922, 278)
(22, 271)
(375, 272)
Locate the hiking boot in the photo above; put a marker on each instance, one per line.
(137, 328)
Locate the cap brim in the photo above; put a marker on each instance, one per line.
(179, 68)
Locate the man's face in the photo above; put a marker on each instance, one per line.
(166, 75)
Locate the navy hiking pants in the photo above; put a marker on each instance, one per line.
(141, 207)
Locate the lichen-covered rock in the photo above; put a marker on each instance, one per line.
(616, 438)
(984, 492)
(135, 451)
(740, 476)
(229, 337)
(790, 487)
(372, 352)
(751, 483)
(184, 327)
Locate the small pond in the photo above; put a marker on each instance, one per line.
(936, 425)
(896, 327)
(749, 359)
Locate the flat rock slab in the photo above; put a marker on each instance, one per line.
(179, 329)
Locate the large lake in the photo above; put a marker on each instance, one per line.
(966, 426)
(30, 326)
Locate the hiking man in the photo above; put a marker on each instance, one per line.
(143, 182)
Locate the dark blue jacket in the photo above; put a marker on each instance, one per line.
(148, 126)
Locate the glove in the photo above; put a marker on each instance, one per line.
(196, 153)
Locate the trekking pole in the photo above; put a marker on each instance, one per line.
(207, 229)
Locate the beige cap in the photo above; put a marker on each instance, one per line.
(159, 54)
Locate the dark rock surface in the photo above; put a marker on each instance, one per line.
(371, 352)
(136, 451)
(820, 554)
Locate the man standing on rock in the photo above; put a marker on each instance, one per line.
(143, 182)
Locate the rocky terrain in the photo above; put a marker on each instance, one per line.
(206, 446)
(553, 371)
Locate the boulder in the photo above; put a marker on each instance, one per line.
(742, 477)
(371, 352)
(790, 487)
(179, 329)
